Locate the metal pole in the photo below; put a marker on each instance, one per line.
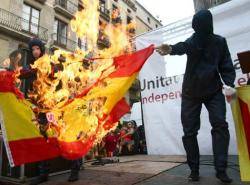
(141, 105)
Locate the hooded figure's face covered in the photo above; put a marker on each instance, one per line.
(203, 26)
(203, 22)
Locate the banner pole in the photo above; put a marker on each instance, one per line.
(142, 118)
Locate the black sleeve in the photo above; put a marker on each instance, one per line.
(181, 48)
(226, 67)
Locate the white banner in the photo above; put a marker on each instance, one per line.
(161, 80)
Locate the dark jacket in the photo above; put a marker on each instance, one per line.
(208, 59)
(27, 72)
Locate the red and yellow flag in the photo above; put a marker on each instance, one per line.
(78, 131)
(241, 114)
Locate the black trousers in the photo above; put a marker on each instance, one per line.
(190, 116)
(76, 165)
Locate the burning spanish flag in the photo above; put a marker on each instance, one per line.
(75, 125)
(241, 114)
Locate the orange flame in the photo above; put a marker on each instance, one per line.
(64, 75)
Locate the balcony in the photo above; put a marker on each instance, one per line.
(104, 13)
(130, 4)
(41, 1)
(64, 42)
(66, 8)
(102, 44)
(16, 26)
(103, 40)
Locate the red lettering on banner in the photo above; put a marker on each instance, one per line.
(156, 98)
(171, 96)
(242, 81)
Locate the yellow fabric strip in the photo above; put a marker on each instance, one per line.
(75, 121)
(244, 158)
(17, 116)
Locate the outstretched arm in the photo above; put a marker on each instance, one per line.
(180, 48)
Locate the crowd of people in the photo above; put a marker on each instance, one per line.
(126, 139)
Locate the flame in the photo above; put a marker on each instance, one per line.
(86, 22)
(64, 75)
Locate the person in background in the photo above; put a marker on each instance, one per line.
(208, 64)
(111, 141)
(37, 50)
(142, 147)
(128, 139)
(136, 138)
(122, 133)
(15, 60)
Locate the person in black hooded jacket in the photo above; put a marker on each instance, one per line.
(208, 64)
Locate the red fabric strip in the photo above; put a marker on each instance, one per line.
(120, 109)
(245, 114)
(77, 149)
(7, 83)
(127, 65)
(33, 150)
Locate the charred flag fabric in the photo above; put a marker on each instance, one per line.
(77, 131)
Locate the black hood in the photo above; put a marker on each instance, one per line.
(37, 42)
(203, 27)
(203, 22)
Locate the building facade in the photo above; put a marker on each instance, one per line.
(206, 4)
(145, 21)
(49, 20)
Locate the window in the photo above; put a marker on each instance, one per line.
(63, 3)
(114, 7)
(80, 5)
(60, 32)
(79, 43)
(82, 44)
(149, 21)
(156, 26)
(129, 20)
(30, 18)
(116, 16)
(102, 5)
